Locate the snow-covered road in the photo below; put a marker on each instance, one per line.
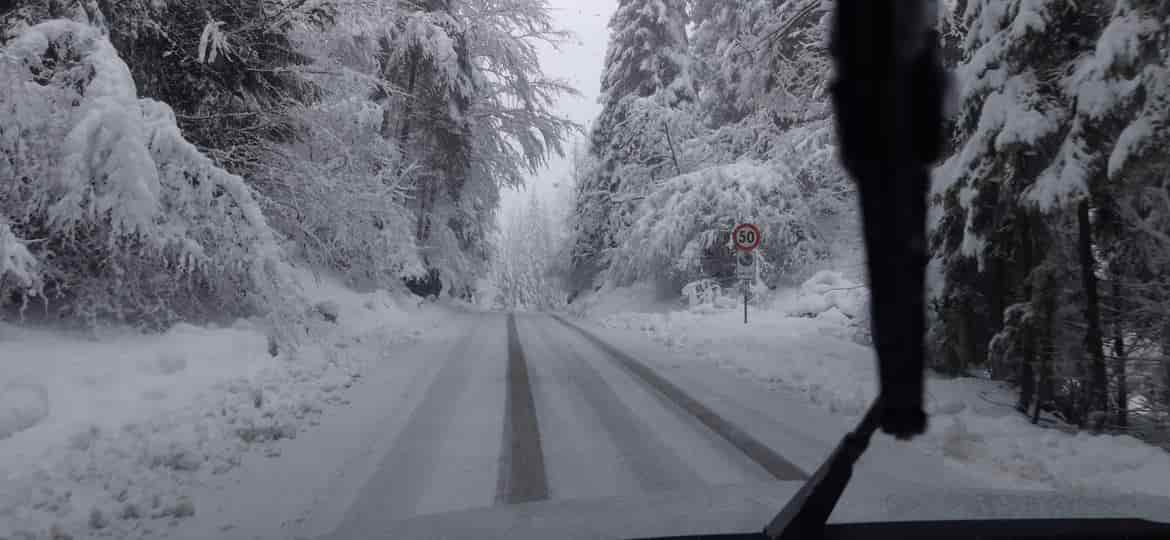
(496, 409)
(510, 421)
(525, 409)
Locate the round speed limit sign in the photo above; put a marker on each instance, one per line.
(746, 236)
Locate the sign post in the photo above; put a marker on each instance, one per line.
(747, 238)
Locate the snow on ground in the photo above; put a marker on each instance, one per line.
(641, 297)
(808, 340)
(106, 436)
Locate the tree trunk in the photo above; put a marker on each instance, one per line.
(1044, 375)
(673, 154)
(1120, 357)
(1028, 339)
(423, 188)
(1166, 363)
(965, 342)
(996, 297)
(1044, 383)
(408, 102)
(1094, 348)
(1046, 311)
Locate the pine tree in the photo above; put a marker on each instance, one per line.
(464, 109)
(133, 223)
(723, 45)
(1056, 97)
(790, 63)
(227, 67)
(648, 79)
(1010, 121)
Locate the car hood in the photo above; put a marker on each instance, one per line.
(745, 509)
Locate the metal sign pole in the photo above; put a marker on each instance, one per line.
(745, 301)
(746, 237)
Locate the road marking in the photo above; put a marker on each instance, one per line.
(777, 466)
(522, 474)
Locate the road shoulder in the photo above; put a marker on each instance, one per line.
(304, 488)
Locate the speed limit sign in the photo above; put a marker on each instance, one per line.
(746, 237)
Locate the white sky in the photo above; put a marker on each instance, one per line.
(580, 62)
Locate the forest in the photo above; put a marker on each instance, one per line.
(164, 160)
(1050, 215)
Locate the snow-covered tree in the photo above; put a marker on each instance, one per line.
(721, 42)
(1010, 117)
(682, 231)
(515, 129)
(1057, 98)
(761, 107)
(226, 67)
(123, 217)
(648, 93)
(426, 111)
(524, 273)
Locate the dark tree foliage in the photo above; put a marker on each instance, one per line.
(228, 106)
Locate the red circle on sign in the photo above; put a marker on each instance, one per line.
(746, 236)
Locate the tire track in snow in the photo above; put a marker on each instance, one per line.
(651, 462)
(395, 489)
(522, 472)
(777, 466)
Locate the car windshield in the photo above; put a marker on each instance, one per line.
(533, 268)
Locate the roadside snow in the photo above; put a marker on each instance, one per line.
(809, 341)
(640, 297)
(108, 436)
(22, 406)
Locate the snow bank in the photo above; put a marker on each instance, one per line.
(805, 354)
(803, 343)
(636, 298)
(107, 436)
(993, 440)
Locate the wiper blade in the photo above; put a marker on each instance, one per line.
(808, 511)
(887, 98)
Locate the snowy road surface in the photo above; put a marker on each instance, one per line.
(525, 408)
(518, 423)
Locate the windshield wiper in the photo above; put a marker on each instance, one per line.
(808, 511)
(888, 101)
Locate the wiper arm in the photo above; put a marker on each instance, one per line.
(888, 109)
(805, 515)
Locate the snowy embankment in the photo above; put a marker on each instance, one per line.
(808, 341)
(108, 436)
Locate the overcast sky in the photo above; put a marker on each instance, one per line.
(578, 61)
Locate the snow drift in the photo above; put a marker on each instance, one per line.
(112, 436)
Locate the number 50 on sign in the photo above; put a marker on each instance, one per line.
(747, 237)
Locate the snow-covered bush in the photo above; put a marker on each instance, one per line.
(19, 271)
(828, 290)
(685, 224)
(703, 291)
(130, 221)
(830, 296)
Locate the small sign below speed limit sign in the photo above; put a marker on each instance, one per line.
(746, 237)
